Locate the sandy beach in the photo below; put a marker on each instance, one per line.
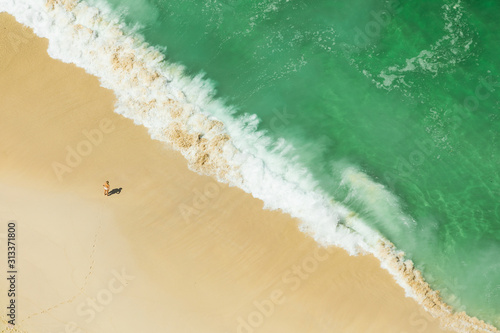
(169, 250)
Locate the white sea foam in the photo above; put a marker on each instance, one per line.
(452, 48)
(182, 111)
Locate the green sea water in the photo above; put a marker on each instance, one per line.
(406, 92)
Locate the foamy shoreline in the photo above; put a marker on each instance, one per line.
(200, 272)
(175, 113)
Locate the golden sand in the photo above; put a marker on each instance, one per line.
(173, 251)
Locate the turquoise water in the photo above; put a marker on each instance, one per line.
(409, 94)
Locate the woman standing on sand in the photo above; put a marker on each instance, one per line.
(106, 188)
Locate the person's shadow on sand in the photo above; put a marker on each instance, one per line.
(115, 191)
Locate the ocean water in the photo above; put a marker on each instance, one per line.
(388, 111)
(394, 107)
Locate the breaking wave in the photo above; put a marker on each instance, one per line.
(182, 111)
